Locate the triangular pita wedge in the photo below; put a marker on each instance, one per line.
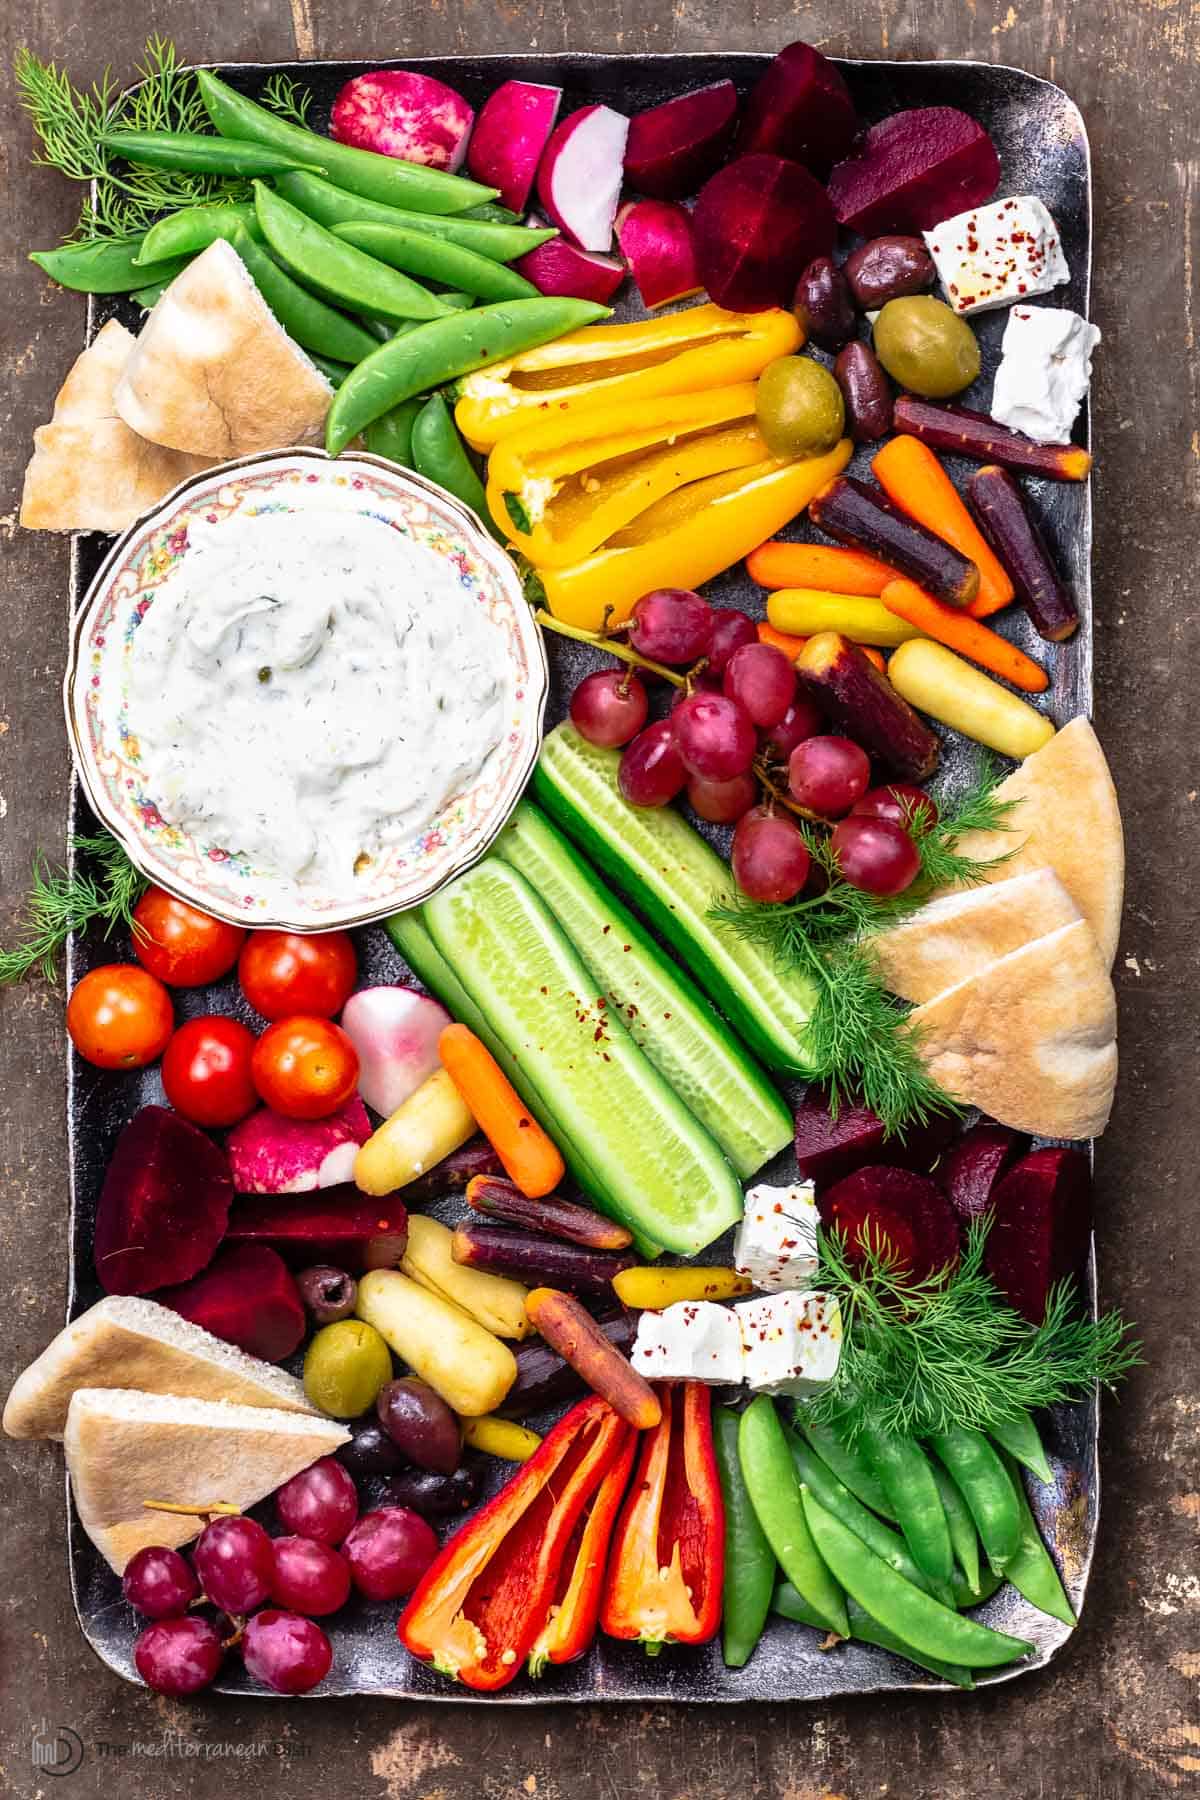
(127, 1342)
(1068, 818)
(959, 934)
(124, 1448)
(89, 471)
(1031, 1039)
(215, 374)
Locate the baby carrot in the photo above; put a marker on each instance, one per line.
(802, 612)
(875, 656)
(836, 570)
(528, 1155)
(911, 475)
(971, 639)
(782, 640)
(570, 1329)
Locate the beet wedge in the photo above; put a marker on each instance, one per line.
(1041, 1225)
(970, 1169)
(339, 1226)
(163, 1206)
(864, 704)
(247, 1297)
(828, 1148)
(895, 1212)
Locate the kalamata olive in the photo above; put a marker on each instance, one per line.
(370, 1450)
(328, 1293)
(866, 392)
(823, 305)
(886, 268)
(437, 1496)
(926, 347)
(420, 1423)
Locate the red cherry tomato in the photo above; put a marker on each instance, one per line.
(180, 944)
(120, 1017)
(304, 1067)
(286, 972)
(206, 1071)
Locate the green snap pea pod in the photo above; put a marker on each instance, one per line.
(1031, 1570)
(849, 1463)
(330, 206)
(198, 153)
(981, 1479)
(336, 269)
(907, 1479)
(149, 297)
(383, 178)
(749, 1558)
(391, 435)
(105, 266)
(433, 259)
(965, 1598)
(316, 327)
(791, 1605)
(439, 455)
(456, 345)
(774, 1490)
(194, 228)
(836, 1497)
(963, 1536)
(495, 215)
(334, 372)
(913, 1616)
(1020, 1438)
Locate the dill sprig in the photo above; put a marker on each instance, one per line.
(284, 95)
(919, 1357)
(60, 902)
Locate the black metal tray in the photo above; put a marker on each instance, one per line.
(1044, 150)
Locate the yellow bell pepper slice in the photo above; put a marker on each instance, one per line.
(689, 537)
(622, 366)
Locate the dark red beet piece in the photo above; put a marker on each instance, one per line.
(674, 147)
(247, 1297)
(913, 170)
(893, 1209)
(828, 1148)
(971, 1168)
(801, 108)
(758, 223)
(335, 1225)
(163, 1206)
(1042, 1220)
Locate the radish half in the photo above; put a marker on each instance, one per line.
(567, 271)
(579, 181)
(656, 241)
(510, 134)
(398, 113)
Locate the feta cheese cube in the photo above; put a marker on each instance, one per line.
(792, 1342)
(694, 1340)
(776, 1242)
(995, 254)
(1045, 369)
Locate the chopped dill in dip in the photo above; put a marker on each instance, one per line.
(310, 687)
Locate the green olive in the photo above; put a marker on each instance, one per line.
(926, 347)
(344, 1368)
(799, 407)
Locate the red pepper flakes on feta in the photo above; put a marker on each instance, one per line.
(792, 1342)
(694, 1340)
(776, 1242)
(1045, 370)
(996, 254)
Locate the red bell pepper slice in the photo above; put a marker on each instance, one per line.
(668, 1558)
(479, 1606)
(571, 1626)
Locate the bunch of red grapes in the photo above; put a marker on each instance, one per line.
(741, 726)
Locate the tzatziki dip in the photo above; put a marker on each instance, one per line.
(310, 687)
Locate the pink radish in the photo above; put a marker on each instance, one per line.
(579, 181)
(672, 148)
(398, 113)
(758, 223)
(269, 1154)
(801, 108)
(656, 241)
(510, 134)
(395, 1031)
(562, 269)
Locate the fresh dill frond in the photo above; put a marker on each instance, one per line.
(60, 902)
(285, 96)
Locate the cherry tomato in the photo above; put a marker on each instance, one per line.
(120, 1017)
(206, 1071)
(180, 944)
(305, 1067)
(286, 972)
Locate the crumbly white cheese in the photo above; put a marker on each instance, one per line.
(694, 1340)
(792, 1342)
(1045, 369)
(996, 254)
(776, 1242)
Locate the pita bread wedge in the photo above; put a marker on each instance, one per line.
(1068, 818)
(124, 1448)
(1031, 1038)
(959, 934)
(89, 471)
(215, 374)
(126, 1342)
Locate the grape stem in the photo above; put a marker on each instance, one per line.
(779, 794)
(614, 648)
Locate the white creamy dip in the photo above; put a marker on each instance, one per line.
(310, 687)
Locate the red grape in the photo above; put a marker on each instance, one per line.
(652, 771)
(178, 1656)
(762, 681)
(388, 1551)
(828, 774)
(875, 855)
(731, 629)
(289, 1653)
(900, 802)
(714, 737)
(801, 720)
(672, 626)
(770, 858)
(320, 1502)
(234, 1562)
(722, 802)
(609, 707)
(159, 1582)
(310, 1578)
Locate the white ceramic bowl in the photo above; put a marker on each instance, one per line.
(104, 642)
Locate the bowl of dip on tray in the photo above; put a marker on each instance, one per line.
(304, 691)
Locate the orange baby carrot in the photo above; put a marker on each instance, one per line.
(911, 475)
(529, 1157)
(835, 570)
(966, 635)
(875, 656)
(782, 640)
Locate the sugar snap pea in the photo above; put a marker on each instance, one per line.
(791, 1605)
(105, 266)
(383, 178)
(849, 1462)
(1031, 1570)
(337, 269)
(334, 372)
(433, 259)
(316, 327)
(391, 435)
(1019, 1436)
(149, 297)
(982, 1481)
(907, 1480)
(203, 155)
(963, 1536)
(194, 228)
(331, 206)
(774, 1491)
(749, 1558)
(439, 455)
(435, 353)
(837, 1498)
(910, 1614)
(965, 1598)
(495, 215)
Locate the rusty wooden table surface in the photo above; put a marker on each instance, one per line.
(1117, 1715)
